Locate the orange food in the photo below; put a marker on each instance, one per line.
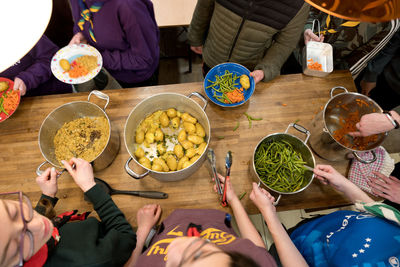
(11, 101)
(235, 96)
(77, 70)
(314, 65)
(349, 125)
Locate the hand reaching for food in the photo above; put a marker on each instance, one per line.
(230, 192)
(328, 175)
(310, 36)
(257, 75)
(147, 216)
(19, 85)
(47, 182)
(78, 38)
(374, 123)
(262, 199)
(82, 173)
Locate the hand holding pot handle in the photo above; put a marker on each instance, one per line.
(82, 174)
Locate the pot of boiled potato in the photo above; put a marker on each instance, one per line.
(167, 134)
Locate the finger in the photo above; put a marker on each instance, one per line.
(380, 194)
(355, 134)
(68, 166)
(158, 211)
(221, 178)
(377, 184)
(394, 179)
(53, 175)
(381, 176)
(44, 176)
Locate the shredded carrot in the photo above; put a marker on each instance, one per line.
(284, 105)
(235, 96)
(314, 65)
(11, 102)
(77, 70)
(348, 125)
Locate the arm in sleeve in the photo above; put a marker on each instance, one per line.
(45, 206)
(378, 63)
(142, 35)
(200, 23)
(284, 43)
(39, 72)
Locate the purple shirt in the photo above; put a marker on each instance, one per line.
(213, 228)
(127, 37)
(34, 70)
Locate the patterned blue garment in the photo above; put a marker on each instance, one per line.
(349, 238)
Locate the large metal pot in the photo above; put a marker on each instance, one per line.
(71, 111)
(165, 101)
(300, 146)
(327, 122)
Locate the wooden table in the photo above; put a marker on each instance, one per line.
(302, 95)
(172, 13)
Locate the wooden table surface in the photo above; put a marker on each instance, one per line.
(302, 95)
(182, 11)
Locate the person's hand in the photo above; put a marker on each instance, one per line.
(386, 187)
(230, 192)
(310, 36)
(147, 216)
(262, 199)
(372, 123)
(197, 49)
(78, 38)
(19, 85)
(328, 175)
(257, 75)
(47, 182)
(82, 173)
(366, 87)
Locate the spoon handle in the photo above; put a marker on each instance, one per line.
(146, 194)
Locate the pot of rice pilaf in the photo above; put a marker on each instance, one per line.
(79, 129)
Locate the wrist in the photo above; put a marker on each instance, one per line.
(392, 123)
(52, 195)
(87, 187)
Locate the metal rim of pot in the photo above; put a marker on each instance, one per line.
(98, 94)
(300, 129)
(354, 151)
(135, 175)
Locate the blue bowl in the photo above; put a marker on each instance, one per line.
(220, 70)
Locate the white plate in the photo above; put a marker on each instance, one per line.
(70, 53)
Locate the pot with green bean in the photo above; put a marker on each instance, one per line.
(279, 159)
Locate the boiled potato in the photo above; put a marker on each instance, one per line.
(245, 81)
(200, 130)
(158, 135)
(139, 137)
(161, 149)
(186, 117)
(139, 153)
(178, 150)
(164, 120)
(200, 149)
(182, 136)
(176, 122)
(64, 64)
(145, 162)
(178, 114)
(3, 86)
(149, 137)
(192, 160)
(195, 139)
(186, 164)
(189, 127)
(190, 152)
(171, 112)
(157, 167)
(187, 144)
(161, 162)
(172, 163)
(181, 162)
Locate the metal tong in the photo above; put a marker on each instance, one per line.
(211, 159)
(228, 164)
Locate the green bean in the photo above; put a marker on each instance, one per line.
(2, 107)
(237, 126)
(223, 84)
(279, 166)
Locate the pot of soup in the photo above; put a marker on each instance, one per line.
(167, 135)
(79, 129)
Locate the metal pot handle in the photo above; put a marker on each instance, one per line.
(301, 129)
(201, 97)
(363, 160)
(338, 87)
(38, 170)
(132, 173)
(276, 202)
(100, 95)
